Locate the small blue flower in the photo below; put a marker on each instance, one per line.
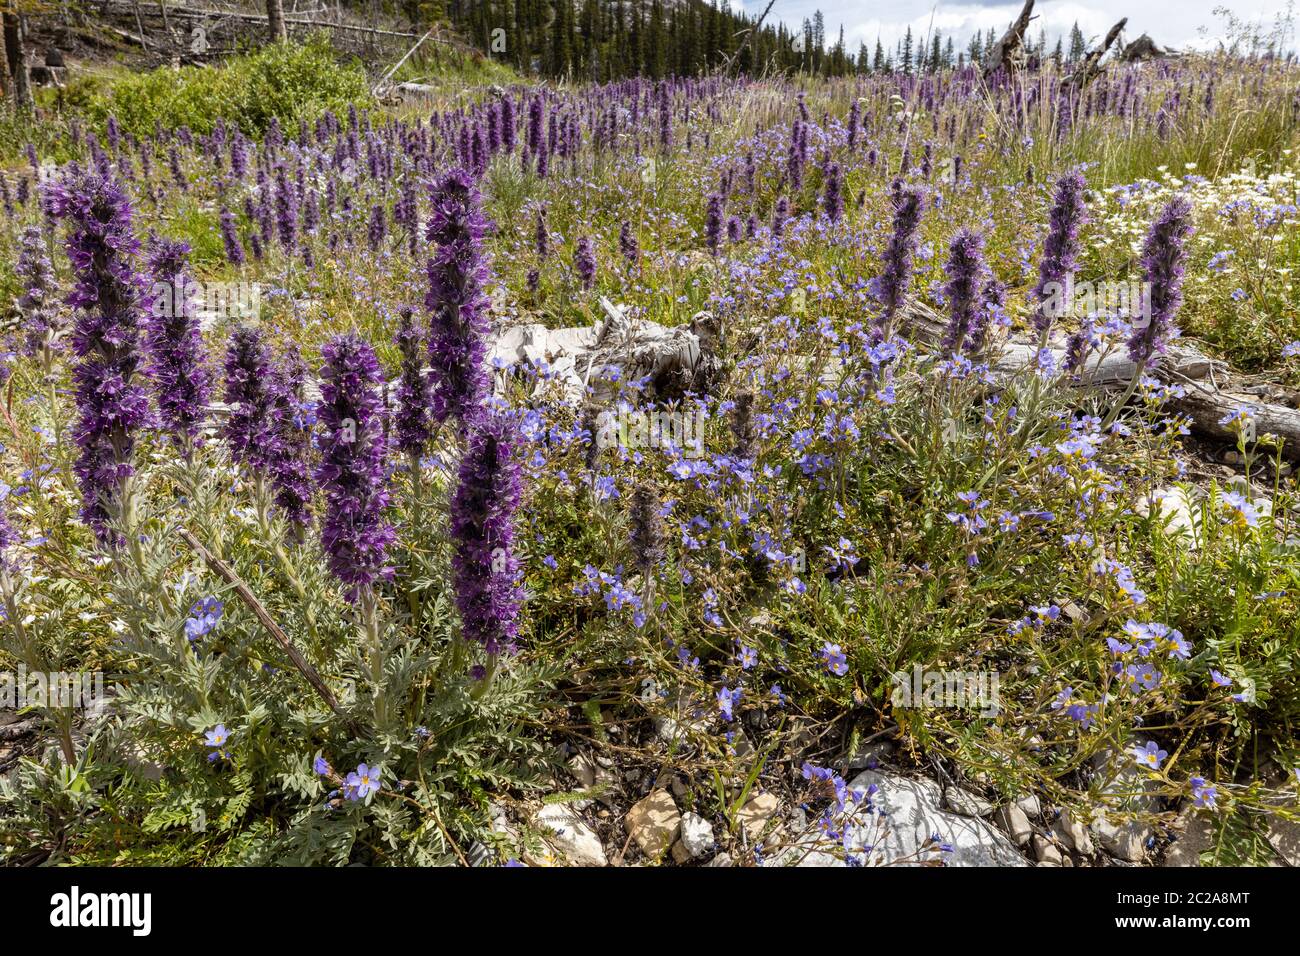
(361, 783)
(1149, 755)
(727, 701)
(1203, 794)
(217, 738)
(204, 616)
(833, 657)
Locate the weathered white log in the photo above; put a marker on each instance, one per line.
(673, 359)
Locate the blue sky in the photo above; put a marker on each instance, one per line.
(1175, 23)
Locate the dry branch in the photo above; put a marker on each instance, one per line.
(1008, 53)
(250, 600)
(1090, 67)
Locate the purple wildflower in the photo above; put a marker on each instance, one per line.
(645, 530)
(713, 223)
(1060, 251)
(36, 275)
(834, 198)
(890, 287)
(414, 394)
(248, 430)
(230, 237)
(456, 302)
(584, 262)
(627, 243)
(289, 450)
(351, 471)
(111, 403)
(966, 275)
(484, 567)
(1164, 255)
(181, 380)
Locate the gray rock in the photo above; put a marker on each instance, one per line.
(1073, 834)
(1030, 805)
(688, 716)
(1193, 835)
(869, 756)
(570, 835)
(1014, 823)
(583, 769)
(966, 803)
(1284, 836)
(755, 815)
(722, 859)
(1046, 852)
(653, 823)
(902, 832)
(1125, 840)
(697, 835)
(1130, 795)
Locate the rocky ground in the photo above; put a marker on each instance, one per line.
(602, 818)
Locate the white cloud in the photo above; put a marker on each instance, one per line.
(1174, 23)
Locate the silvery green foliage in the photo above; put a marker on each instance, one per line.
(145, 773)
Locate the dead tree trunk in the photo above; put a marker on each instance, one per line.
(1008, 53)
(275, 20)
(16, 56)
(1089, 68)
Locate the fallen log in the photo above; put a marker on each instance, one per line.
(675, 360)
(1208, 408)
(1143, 48)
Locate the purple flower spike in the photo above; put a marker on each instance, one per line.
(289, 450)
(36, 275)
(484, 567)
(354, 536)
(1164, 256)
(248, 429)
(890, 287)
(584, 262)
(111, 401)
(230, 237)
(182, 382)
(414, 394)
(834, 198)
(713, 224)
(966, 276)
(456, 303)
(1060, 251)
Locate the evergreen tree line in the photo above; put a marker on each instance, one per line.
(610, 39)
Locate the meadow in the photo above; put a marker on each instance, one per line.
(370, 587)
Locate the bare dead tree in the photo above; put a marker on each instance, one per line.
(19, 85)
(275, 20)
(749, 35)
(1090, 66)
(1008, 53)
